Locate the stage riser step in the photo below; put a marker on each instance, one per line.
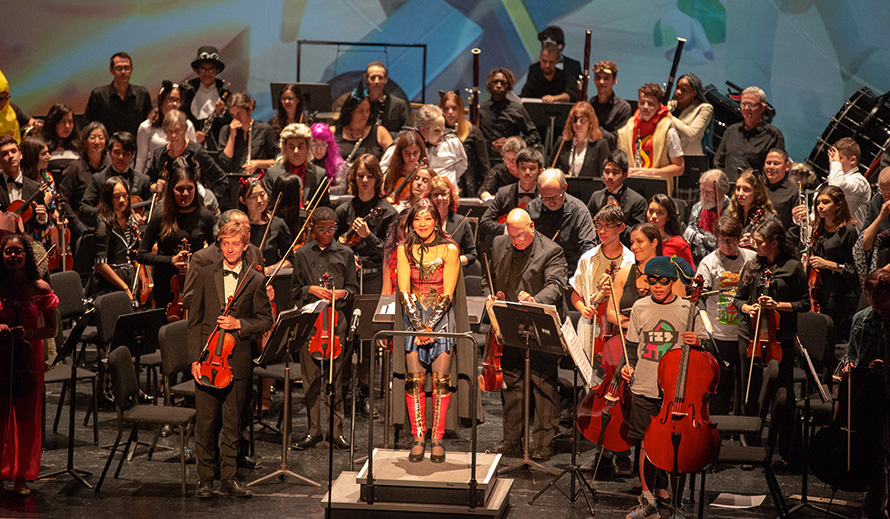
(438, 496)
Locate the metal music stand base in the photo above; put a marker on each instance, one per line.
(573, 469)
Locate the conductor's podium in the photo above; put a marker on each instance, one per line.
(402, 489)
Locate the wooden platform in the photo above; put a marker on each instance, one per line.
(405, 489)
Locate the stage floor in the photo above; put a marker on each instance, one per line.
(151, 489)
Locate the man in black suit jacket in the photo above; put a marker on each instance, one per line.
(122, 149)
(14, 185)
(529, 267)
(219, 409)
(529, 163)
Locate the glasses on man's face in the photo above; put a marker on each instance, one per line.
(605, 227)
(653, 280)
(750, 105)
(326, 230)
(13, 251)
(552, 198)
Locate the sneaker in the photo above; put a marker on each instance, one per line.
(623, 465)
(644, 510)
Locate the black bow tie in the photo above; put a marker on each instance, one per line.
(227, 272)
(10, 180)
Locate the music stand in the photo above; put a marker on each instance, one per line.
(529, 326)
(291, 331)
(583, 188)
(367, 303)
(68, 348)
(547, 115)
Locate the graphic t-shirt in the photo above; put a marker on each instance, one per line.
(722, 273)
(656, 328)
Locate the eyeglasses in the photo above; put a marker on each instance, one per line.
(5, 97)
(122, 68)
(14, 251)
(442, 196)
(750, 105)
(605, 226)
(326, 230)
(320, 145)
(552, 198)
(652, 280)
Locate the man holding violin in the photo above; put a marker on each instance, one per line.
(16, 186)
(312, 261)
(217, 427)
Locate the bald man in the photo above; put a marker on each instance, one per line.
(528, 266)
(562, 217)
(878, 201)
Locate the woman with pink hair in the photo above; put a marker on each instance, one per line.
(326, 154)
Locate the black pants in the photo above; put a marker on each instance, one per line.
(218, 424)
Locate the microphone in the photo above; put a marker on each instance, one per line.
(356, 316)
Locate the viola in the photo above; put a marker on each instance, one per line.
(502, 219)
(351, 238)
(61, 259)
(16, 372)
(144, 283)
(601, 412)
(175, 308)
(214, 366)
(846, 454)
(18, 212)
(681, 438)
(325, 341)
(764, 345)
(403, 190)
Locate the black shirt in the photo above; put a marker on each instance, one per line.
(573, 223)
(837, 246)
(631, 203)
(311, 263)
(789, 285)
(874, 209)
(477, 163)
(118, 115)
(784, 196)
(74, 183)
(277, 243)
(741, 149)
(369, 144)
(212, 176)
(391, 112)
(612, 115)
(263, 146)
(498, 177)
(139, 185)
(464, 236)
(536, 85)
(506, 118)
(369, 249)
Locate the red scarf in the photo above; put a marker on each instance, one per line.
(643, 133)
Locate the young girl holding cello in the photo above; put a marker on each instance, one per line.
(836, 293)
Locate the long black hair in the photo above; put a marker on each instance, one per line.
(52, 139)
(770, 230)
(673, 226)
(31, 271)
(106, 199)
(411, 236)
(183, 169)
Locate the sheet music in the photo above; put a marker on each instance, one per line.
(577, 352)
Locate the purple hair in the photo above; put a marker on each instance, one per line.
(332, 161)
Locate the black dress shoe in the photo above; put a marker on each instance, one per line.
(205, 490)
(233, 487)
(246, 462)
(542, 453)
(508, 448)
(364, 407)
(339, 442)
(307, 442)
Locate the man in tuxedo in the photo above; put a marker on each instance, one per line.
(16, 186)
(529, 267)
(218, 427)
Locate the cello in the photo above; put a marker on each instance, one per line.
(492, 377)
(325, 343)
(681, 438)
(764, 346)
(214, 360)
(601, 412)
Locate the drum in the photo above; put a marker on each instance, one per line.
(866, 118)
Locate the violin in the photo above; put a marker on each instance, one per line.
(144, 283)
(214, 366)
(681, 438)
(19, 212)
(325, 341)
(502, 219)
(16, 372)
(602, 329)
(175, 308)
(60, 236)
(846, 454)
(351, 238)
(403, 190)
(764, 344)
(492, 377)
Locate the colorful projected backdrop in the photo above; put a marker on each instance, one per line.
(808, 55)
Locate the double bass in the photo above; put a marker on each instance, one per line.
(681, 438)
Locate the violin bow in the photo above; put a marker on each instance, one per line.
(269, 224)
(401, 186)
(47, 254)
(618, 317)
(315, 200)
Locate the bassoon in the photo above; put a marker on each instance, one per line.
(670, 83)
(585, 75)
(474, 101)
